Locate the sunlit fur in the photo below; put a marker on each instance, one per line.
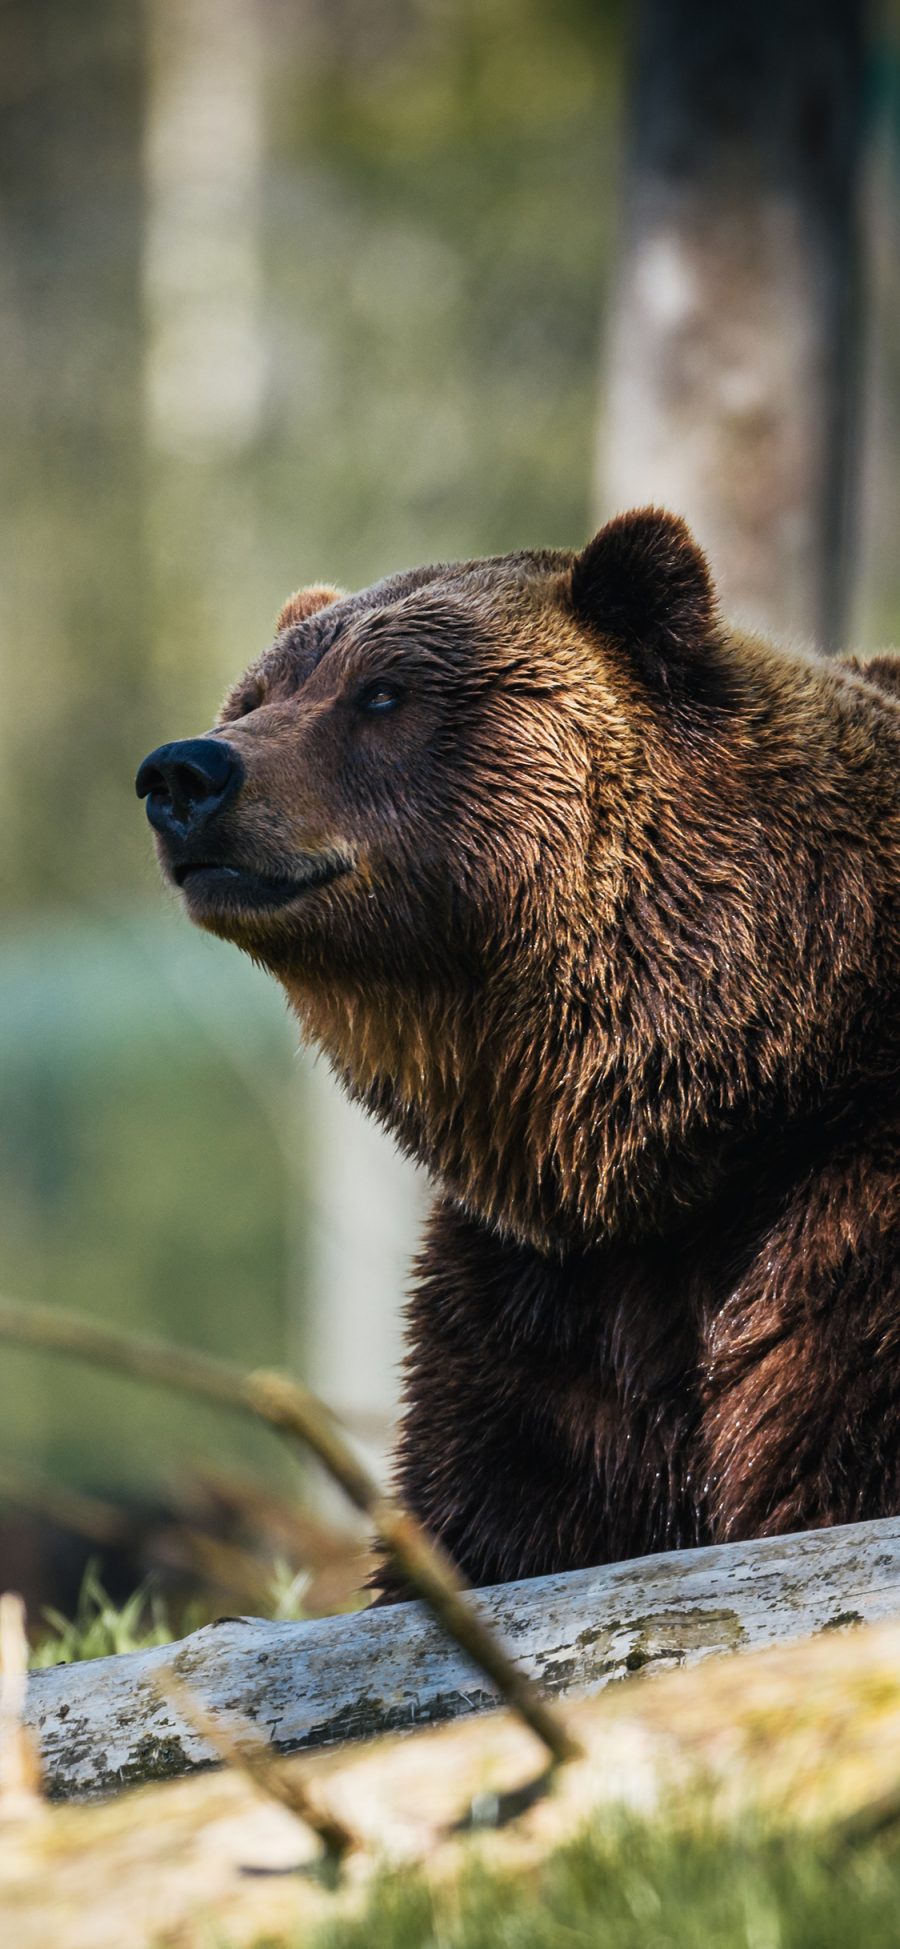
(614, 952)
(305, 603)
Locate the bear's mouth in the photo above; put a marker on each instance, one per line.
(217, 884)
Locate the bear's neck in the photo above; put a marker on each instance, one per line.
(742, 980)
(563, 1124)
(462, 1094)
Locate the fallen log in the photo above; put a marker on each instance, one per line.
(105, 1724)
(800, 1739)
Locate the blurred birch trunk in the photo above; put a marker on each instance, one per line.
(367, 1206)
(733, 375)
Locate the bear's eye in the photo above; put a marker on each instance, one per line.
(379, 697)
(249, 698)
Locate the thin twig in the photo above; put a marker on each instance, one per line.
(240, 1746)
(298, 1414)
(100, 1522)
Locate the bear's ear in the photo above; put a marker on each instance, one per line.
(306, 603)
(644, 582)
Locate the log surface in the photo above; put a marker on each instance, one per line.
(103, 1725)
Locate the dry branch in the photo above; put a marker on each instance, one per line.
(295, 1412)
(240, 1746)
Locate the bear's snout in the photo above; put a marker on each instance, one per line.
(185, 784)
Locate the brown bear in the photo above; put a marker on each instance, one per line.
(593, 901)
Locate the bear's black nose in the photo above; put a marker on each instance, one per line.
(186, 783)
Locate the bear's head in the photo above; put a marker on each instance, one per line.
(477, 820)
(404, 771)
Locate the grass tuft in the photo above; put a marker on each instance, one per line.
(100, 1628)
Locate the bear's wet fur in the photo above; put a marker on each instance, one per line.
(593, 901)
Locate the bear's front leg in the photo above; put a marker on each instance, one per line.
(550, 1406)
(802, 1413)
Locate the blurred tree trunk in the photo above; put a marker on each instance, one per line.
(735, 353)
(71, 602)
(366, 1204)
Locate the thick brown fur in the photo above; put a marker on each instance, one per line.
(610, 942)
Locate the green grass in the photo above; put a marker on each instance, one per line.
(640, 1885)
(101, 1629)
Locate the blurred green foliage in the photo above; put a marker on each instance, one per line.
(139, 1178)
